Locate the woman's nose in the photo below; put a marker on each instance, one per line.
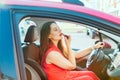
(60, 30)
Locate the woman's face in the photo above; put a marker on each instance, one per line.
(55, 32)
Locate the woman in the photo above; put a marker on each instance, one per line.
(59, 61)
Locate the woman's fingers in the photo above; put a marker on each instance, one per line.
(99, 45)
(68, 40)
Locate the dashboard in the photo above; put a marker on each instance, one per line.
(116, 62)
(113, 69)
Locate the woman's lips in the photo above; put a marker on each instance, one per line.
(64, 35)
(61, 34)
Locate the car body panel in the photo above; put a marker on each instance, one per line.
(73, 7)
(71, 15)
(7, 48)
(11, 57)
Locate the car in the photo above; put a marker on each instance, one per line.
(17, 15)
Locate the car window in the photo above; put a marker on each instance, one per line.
(79, 32)
(83, 35)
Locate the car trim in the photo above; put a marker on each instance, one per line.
(67, 6)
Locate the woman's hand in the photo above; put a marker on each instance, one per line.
(67, 40)
(98, 45)
(71, 56)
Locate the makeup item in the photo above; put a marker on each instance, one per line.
(66, 36)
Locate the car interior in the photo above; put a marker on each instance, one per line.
(104, 62)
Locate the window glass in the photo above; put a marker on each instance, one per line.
(83, 35)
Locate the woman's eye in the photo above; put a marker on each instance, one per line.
(55, 29)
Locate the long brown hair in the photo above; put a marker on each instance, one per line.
(45, 41)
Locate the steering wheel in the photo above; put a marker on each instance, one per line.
(93, 56)
(98, 62)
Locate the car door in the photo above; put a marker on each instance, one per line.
(19, 12)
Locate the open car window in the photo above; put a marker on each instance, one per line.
(83, 36)
(77, 31)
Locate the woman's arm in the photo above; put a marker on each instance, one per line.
(83, 53)
(88, 50)
(71, 55)
(59, 60)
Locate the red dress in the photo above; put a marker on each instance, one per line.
(56, 73)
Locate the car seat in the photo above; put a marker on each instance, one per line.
(33, 69)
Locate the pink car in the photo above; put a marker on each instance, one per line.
(16, 17)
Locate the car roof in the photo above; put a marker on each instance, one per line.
(62, 5)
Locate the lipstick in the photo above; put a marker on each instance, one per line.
(66, 36)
